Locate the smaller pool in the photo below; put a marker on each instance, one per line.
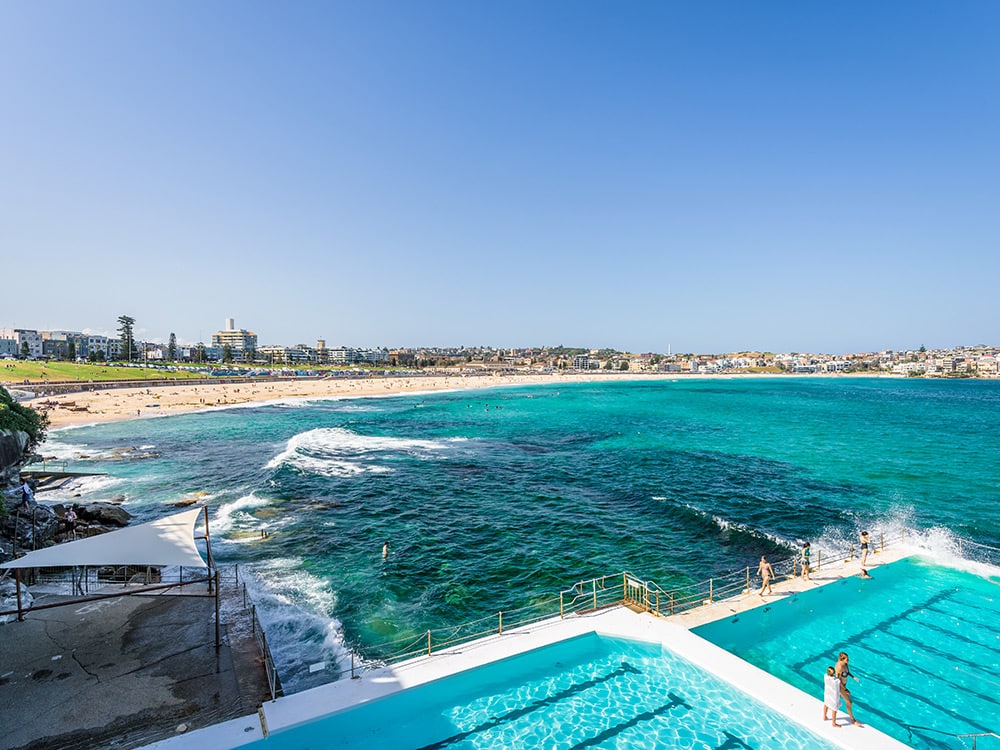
(586, 692)
(924, 640)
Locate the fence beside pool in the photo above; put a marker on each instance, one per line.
(635, 593)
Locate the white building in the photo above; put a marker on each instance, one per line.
(22, 336)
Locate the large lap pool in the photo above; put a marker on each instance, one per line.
(590, 691)
(924, 640)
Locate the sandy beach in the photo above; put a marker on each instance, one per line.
(119, 404)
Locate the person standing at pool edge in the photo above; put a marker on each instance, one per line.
(805, 561)
(843, 671)
(864, 548)
(831, 694)
(766, 573)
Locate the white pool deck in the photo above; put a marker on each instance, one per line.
(673, 632)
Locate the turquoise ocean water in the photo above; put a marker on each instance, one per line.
(493, 499)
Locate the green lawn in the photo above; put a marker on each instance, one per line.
(19, 371)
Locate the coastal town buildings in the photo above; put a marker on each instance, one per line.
(240, 345)
(241, 342)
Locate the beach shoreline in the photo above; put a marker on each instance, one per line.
(121, 404)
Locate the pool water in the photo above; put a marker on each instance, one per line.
(924, 640)
(587, 692)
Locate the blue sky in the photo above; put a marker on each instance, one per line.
(782, 176)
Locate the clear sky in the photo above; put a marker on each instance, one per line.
(712, 176)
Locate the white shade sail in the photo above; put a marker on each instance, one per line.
(166, 541)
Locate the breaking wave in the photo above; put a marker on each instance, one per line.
(338, 452)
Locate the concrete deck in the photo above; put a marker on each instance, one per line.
(122, 672)
(673, 632)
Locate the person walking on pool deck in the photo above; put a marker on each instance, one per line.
(766, 573)
(843, 671)
(831, 694)
(805, 561)
(864, 548)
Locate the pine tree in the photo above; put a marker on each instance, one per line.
(172, 348)
(125, 324)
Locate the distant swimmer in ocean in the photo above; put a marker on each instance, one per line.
(864, 548)
(385, 550)
(766, 573)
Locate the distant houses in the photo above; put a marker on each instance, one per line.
(233, 344)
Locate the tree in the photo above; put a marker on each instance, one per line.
(251, 354)
(172, 348)
(14, 416)
(199, 355)
(25, 350)
(623, 366)
(227, 354)
(71, 350)
(125, 327)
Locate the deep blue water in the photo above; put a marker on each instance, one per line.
(493, 499)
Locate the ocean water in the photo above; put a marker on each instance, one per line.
(493, 499)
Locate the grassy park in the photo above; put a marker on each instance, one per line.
(17, 371)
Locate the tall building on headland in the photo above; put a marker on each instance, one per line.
(241, 342)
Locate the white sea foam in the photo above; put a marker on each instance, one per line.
(334, 451)
(89, 489)
(293, 606)
(725, 524)
(236, 516)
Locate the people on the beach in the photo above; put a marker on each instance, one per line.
(805, 561)
(766, 573)
(831, 694)
(843, 672)
(864, 548)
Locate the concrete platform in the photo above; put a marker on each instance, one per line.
(123, 672)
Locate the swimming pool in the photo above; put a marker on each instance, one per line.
(924, 640)
(590, 691)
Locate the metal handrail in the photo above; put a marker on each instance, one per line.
(959, 736)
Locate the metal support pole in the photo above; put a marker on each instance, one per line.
(711, 586)
(428, 643)
(819, 559)
(560, 605)
(671, 603)
(500, 619)
(17, 582)
(594, 582)
(218, 625)
(748, 579)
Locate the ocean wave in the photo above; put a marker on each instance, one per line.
(307, 644)
(231, 518)
(724, 524)
(335, 451)
(84, 489)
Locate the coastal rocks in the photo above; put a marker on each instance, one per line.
(105, 514)
(31, 529)
(8, 599)
(12, 445)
